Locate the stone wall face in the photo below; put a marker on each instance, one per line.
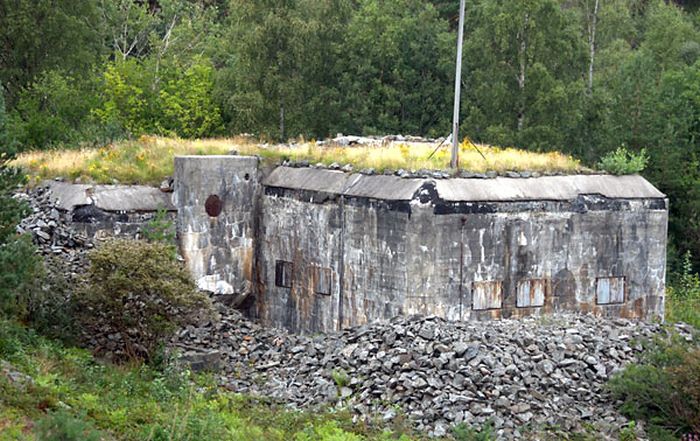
(349, 262)
(565, 255)
(384, 262)
(216, 197)
(327, 250)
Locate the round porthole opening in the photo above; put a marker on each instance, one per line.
(213, 205)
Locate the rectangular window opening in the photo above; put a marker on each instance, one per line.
(284, 273)
(531, 293)
(609, 290)
(487, 295)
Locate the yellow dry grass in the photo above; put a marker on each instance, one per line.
(150, 159)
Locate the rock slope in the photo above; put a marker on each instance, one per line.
(535, 372)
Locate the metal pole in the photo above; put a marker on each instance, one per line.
(454, 161)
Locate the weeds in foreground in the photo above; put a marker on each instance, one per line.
(683, 296)
(72, 393)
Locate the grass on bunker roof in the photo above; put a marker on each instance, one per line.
(149, 159)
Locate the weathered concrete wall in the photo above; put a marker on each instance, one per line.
(216, 198)
(416, 252)
(562, 250)
(326, 250)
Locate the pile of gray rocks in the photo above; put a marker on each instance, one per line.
(64, 247)
(534, 372)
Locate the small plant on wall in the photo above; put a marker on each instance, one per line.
(624, 162)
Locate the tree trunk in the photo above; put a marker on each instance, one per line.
(282, 138)
(592, 22)
(522, 60)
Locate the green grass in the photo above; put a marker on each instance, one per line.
(150, 159)
(141, 403)
(681, 308)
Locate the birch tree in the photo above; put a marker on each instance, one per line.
(524, 60)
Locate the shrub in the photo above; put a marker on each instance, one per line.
(55, 109)
(148, 96)
(140, 291)
(340, 377)
(20, 271)
(51, 311)
(62, 426)
(188, 105)
(663, 389)
(624, 162)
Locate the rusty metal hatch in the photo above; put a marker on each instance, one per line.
(321, 279)
(609, 290)
(531, 293)
(284, 271)
(213, 205)
(487, 295)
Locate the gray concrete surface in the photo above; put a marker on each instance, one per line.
(218, 249)
(333, 250)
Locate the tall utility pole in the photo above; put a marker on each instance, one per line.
(454, 161)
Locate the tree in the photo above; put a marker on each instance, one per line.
(396, 69)
(160, 80)
(55, 108)
(675, 166)
(281, 66)
(524, 82)
(37, 35)
(19, 264)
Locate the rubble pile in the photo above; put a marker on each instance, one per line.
(51, 228)
(535, 371)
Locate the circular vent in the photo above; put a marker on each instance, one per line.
(213, 205)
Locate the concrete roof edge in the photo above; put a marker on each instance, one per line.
(114, 198)
(500, 189)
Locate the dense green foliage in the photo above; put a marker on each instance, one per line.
(663, 389)
(139, 290)
(19, 265)
(539, 74)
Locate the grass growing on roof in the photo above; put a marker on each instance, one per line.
(150, 159)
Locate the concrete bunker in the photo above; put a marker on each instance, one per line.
(315, 250)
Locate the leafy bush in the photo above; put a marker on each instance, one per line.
(624, 162)
(139, 290)
(62, 426)
(188, 106)
(663, 389)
